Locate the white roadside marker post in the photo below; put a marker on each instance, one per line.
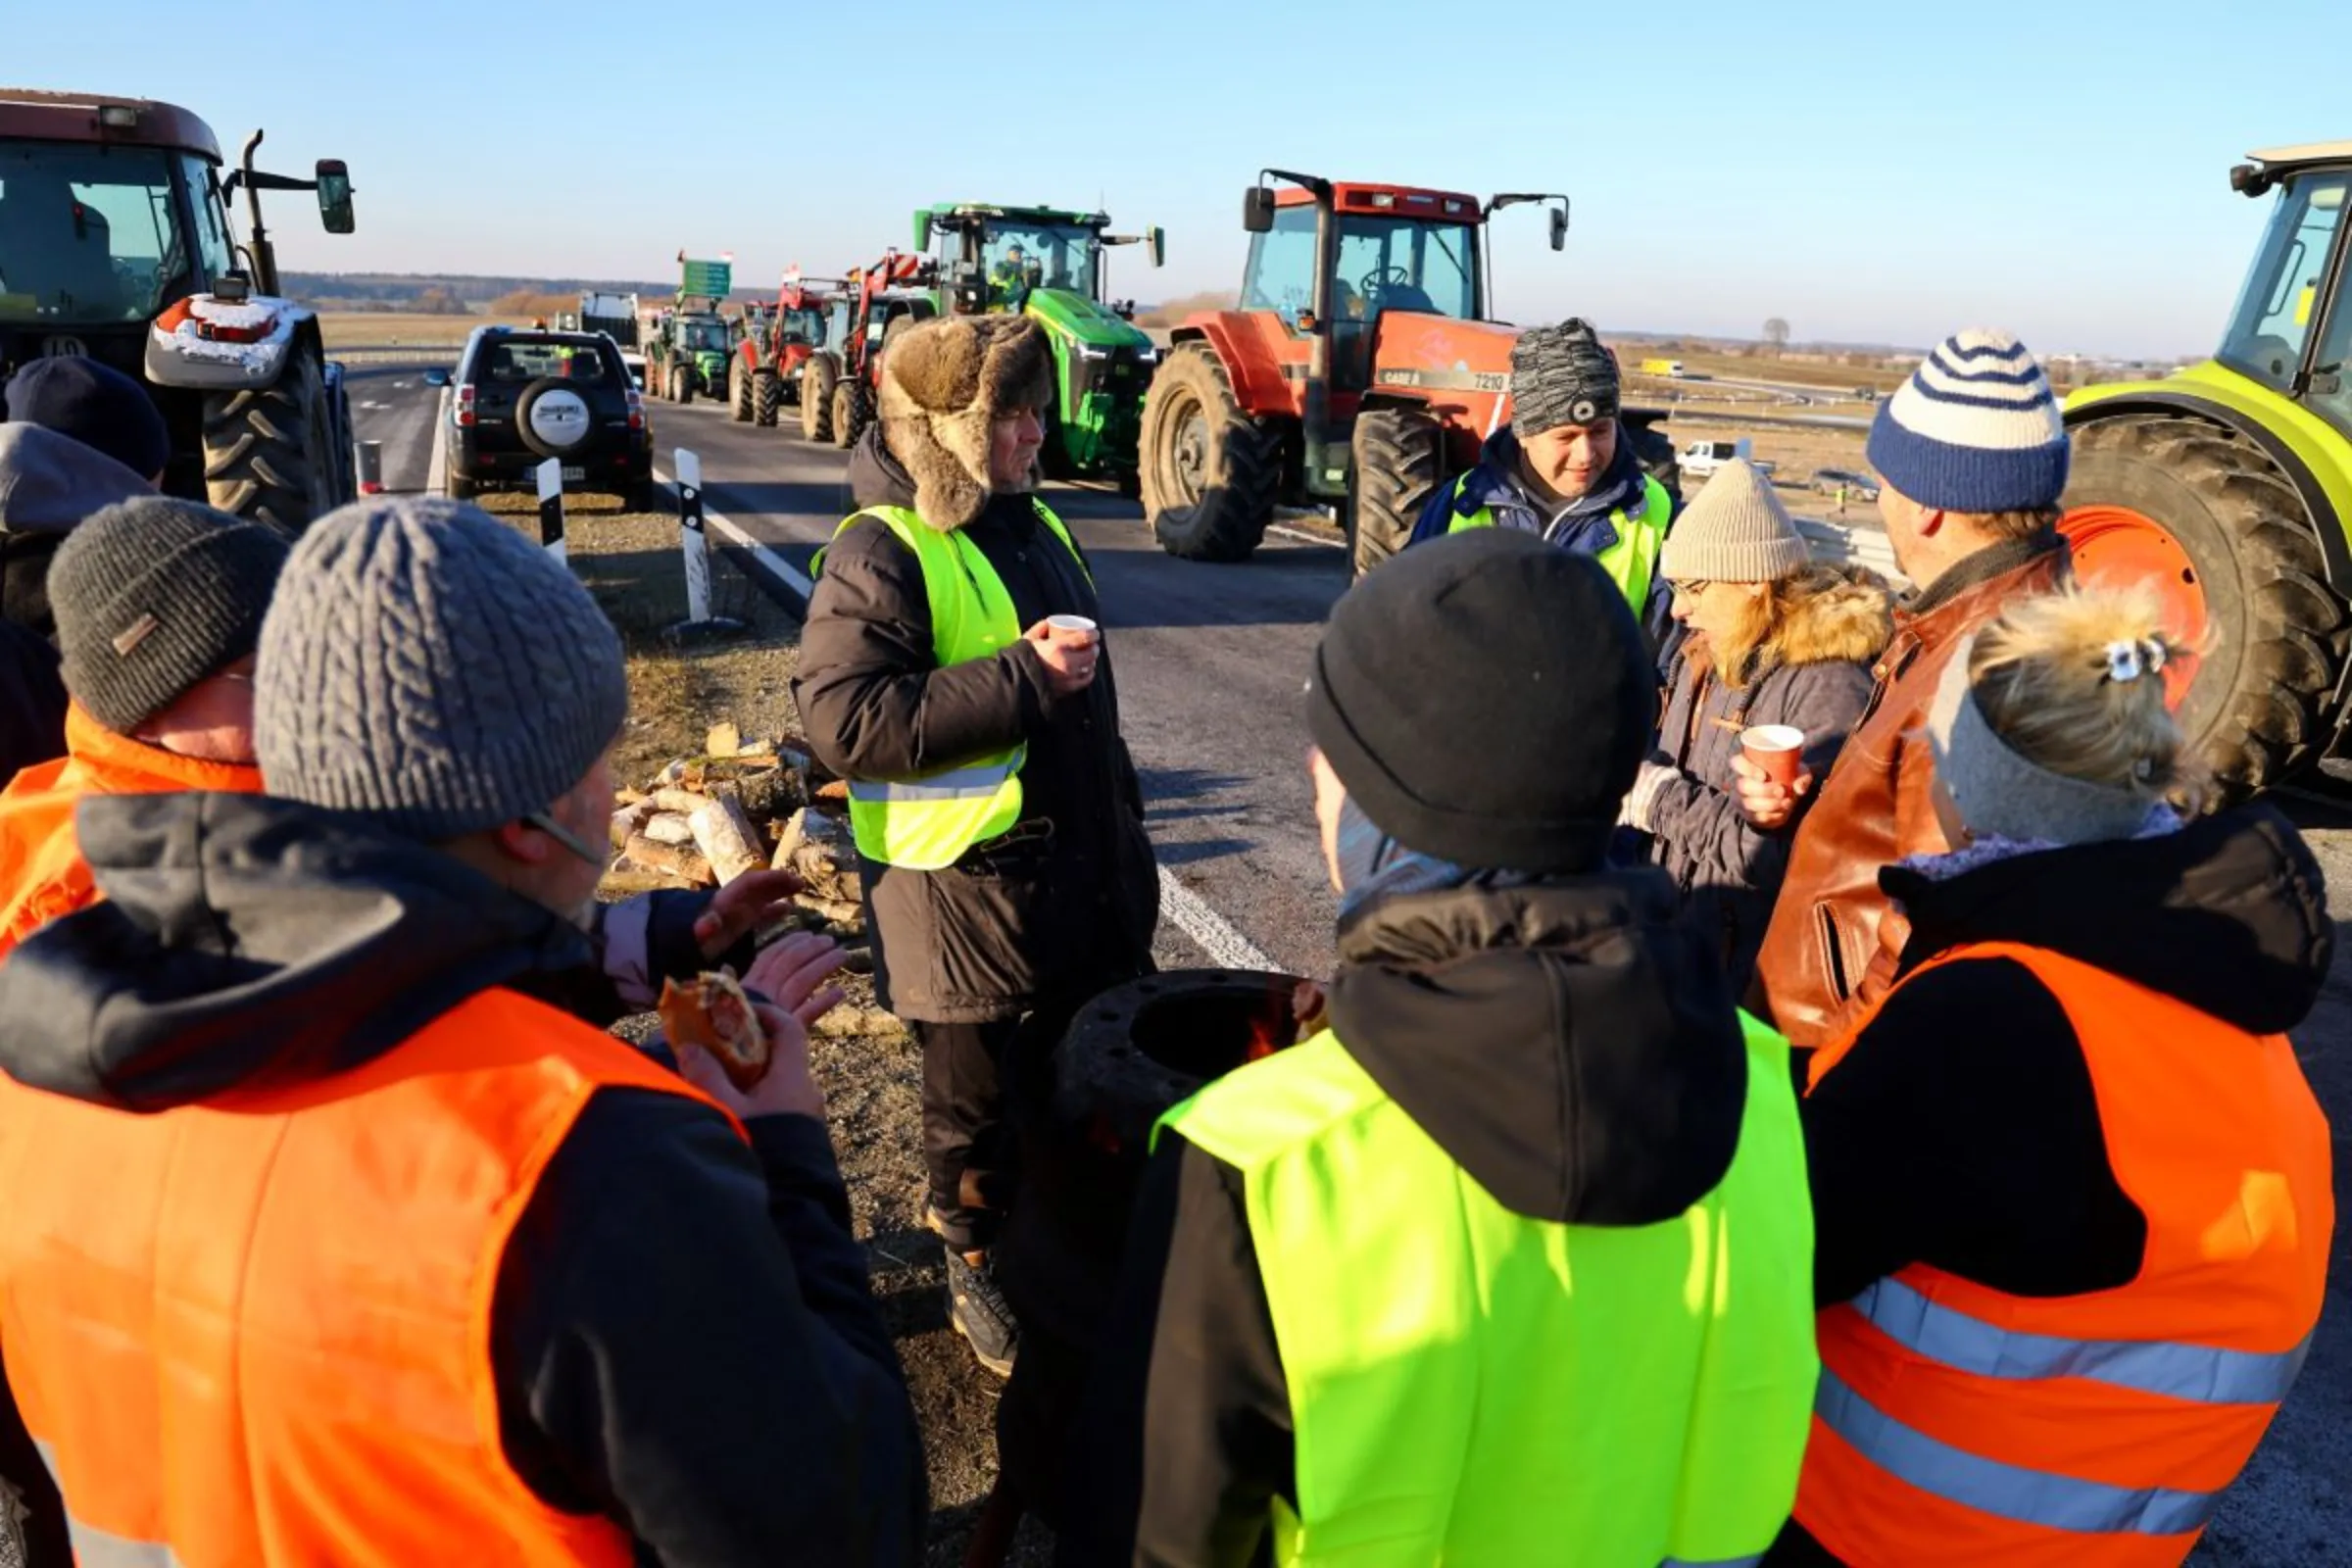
(551, 510)
(699, 621)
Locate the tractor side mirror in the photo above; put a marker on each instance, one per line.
(922, 231)
(1155, 240)
(1560, 227)
(334, 196)
(1257, 210)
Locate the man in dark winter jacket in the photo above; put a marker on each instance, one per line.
(1425, 1286)
(1567, 470)
(997, 815)
(48, 484)
(499, 1284)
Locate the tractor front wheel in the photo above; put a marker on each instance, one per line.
(767, 396)
(739, 392)
(818, 382)
(681, 383)
(1397, 461)
(1209, 471)
(269, 451)
(2200, 515)
(853, 411)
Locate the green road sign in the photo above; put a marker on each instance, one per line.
(714, 278)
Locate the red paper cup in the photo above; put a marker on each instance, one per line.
(1777, 749)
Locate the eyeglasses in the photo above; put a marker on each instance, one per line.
(1692, 585)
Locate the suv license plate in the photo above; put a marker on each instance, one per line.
(575, 471)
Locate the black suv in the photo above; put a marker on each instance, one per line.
(521, 397)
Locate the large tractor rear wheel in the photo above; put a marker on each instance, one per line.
(1397, 461)
(2201, 514)
(767, 396)
(269, 452)
(681, 382)
(1209, 471)
(817, 380)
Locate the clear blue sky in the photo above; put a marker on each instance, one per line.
(1880, 172)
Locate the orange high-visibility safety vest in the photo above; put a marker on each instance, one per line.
(42, 874)
(1956, 1424)
(256, 1330)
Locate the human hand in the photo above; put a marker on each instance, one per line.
(1310, 1005)
(792, 973)
(742, 907)
(1068, 656)
(1764, 801)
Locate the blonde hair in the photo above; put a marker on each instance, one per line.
(2073, 681)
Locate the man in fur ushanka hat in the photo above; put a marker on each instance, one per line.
(951, 670)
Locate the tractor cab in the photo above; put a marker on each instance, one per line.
(992, 258)
(2290, 331)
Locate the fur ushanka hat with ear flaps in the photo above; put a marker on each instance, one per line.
(944, 383)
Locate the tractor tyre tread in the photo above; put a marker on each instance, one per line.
(767, 396)
(1229, 519)
(264, 457)
(2296, 636)
(1397, 461)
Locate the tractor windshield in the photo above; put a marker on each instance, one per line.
(2281, 303)
(92, 235)
(1393, 264)
(1040, 255)
(804, 326)
(705, 337)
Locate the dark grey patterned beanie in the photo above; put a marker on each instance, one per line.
(426, 668)
(1562, 375)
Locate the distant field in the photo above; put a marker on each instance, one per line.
(355, 330)
(1763, 368)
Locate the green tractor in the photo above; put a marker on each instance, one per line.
(1049, 264)
(2228, 486)
(689, 346)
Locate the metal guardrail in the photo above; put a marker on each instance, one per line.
(396, 354)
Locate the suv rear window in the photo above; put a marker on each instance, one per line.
(515, 363)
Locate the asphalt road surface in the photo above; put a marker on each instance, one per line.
(1211, 663)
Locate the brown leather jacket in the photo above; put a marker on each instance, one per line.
(1832, 948)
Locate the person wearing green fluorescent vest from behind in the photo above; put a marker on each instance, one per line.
(999, 819)
(1512, 1263)
(1567, 470)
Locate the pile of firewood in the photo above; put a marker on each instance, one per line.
(742, 805)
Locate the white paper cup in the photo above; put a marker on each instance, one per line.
(1074, 623)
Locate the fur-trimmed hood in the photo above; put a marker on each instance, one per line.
(1836, 614)
(944, 383)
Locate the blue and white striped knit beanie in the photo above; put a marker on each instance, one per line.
(1974, 429)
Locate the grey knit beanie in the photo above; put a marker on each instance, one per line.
(1735, 530)
(427, 669)
(1562, 375)
(153, 595)
(2003, 795)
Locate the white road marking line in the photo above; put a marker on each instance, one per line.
(1211, 931)
(436, 466)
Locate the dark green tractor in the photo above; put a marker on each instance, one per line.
(1050, 264)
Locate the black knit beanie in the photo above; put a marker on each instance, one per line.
(97, 406)
(1487, 698)
(1562, 375)
(153, 595)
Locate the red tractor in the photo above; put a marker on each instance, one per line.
(772, 357)
(1363, 365)
(839, 380)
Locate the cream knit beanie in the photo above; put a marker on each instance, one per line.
(1735, 530)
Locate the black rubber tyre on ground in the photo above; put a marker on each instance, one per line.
(853, 411)
(1395, 462)
(767, 396)
(269, 452)
(818, 377)
(641, 497)
(741, 400)
(1210, 472)
(681, 383)
(2276, 638)
(457, 489)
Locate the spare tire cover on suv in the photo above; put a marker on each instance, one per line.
(553, 418)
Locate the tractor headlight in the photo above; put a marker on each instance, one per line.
(1146, 354)
(1087, 351)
